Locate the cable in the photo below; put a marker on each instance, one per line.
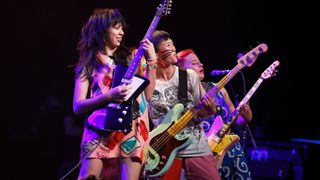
(77, 165)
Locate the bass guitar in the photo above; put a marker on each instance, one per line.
(165, 141)
(218, 139)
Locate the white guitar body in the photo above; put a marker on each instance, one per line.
(220, 145)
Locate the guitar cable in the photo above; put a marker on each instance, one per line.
(81, 160)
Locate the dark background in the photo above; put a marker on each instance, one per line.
(39, 41)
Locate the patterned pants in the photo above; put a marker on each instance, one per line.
(234, 165)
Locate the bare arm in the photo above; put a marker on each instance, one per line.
(83, 105)
(201, 96)
(151, 73)
(151, 58)
(210, 108)
(245, 111)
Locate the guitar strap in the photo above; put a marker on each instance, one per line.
(100, 131)
(183, 87)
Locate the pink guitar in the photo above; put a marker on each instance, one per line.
(217, 136)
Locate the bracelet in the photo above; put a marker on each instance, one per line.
(152, 65)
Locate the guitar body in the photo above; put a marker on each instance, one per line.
(119, 116)
(226, 143)
(163, 146)
(223, 146)
(220, 145)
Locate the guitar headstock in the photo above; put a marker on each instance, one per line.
(164, 8)
(271, 70)
(249, 58)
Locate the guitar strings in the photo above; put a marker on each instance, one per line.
(166, 136)
(174, 129)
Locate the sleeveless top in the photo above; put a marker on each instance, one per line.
(221, 107)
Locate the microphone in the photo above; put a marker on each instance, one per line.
(219, 72)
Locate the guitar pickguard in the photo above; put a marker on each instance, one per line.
(119, 115)
(163, 147)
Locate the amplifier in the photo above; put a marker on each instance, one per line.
(276, 160)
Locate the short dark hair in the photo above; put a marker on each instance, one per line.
(158, 37)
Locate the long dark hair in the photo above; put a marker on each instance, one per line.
(94, 36)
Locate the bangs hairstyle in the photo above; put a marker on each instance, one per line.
(102, 19)
(108, 17)
(158, 37)
(94, 36)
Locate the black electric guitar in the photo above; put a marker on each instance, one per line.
(119, 116)
(218, 139)
(164, 139)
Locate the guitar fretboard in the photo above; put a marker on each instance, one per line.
(250, 93)
(222, 82)
(184, 120)
(136, 60)
(245, 100)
